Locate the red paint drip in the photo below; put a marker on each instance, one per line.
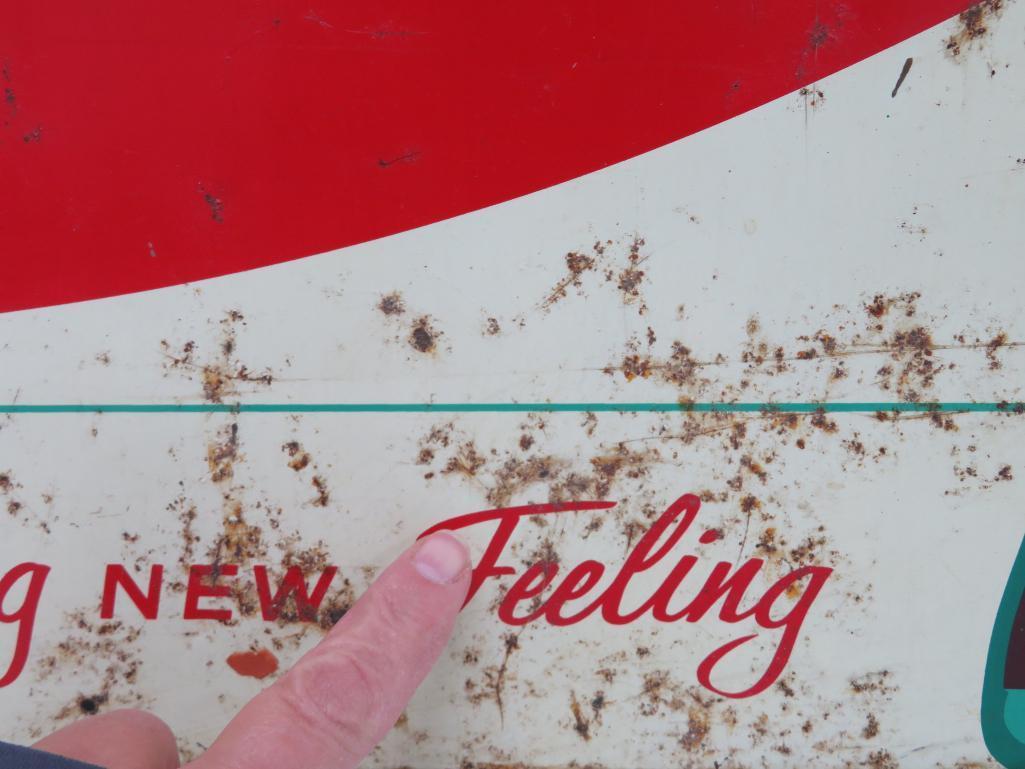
(255, 664)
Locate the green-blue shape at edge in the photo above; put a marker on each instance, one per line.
(1003, 710)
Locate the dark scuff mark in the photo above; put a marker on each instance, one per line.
(408, 157)
(34, 136)
(216, 207)
(903, 74)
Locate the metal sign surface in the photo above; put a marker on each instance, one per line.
(721, 346)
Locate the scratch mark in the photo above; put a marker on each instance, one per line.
(409, 157)
(381, 33)
(311, 15)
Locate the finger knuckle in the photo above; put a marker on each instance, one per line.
(340, 692)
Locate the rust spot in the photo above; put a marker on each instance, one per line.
(697, 729)
(392, 304)
(813, 97)
(423, 337)
(581, 725)
(298, 458)
(258, 663)
(222, 453)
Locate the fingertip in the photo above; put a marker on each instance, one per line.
(442, 558)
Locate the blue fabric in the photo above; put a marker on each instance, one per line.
(15, 757)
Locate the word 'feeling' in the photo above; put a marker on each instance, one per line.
(538, 594)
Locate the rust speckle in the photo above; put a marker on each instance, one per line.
(258, 663)
(631, 277)
(493, 685)
(220, 375)
(576, 265)
(994, 344)
(876, 682)
(323, 495)
(871, 729)
(881, 759)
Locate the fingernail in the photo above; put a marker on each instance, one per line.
(442, 558)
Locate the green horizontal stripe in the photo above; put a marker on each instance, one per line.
(455, 408)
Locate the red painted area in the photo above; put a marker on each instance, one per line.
(149, 144)
(255, 664)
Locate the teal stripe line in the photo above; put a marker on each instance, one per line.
(456, 408)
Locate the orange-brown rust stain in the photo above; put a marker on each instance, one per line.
(258, 663)
(974, 26)
(222, 452)
(581, 725)
(298, 458)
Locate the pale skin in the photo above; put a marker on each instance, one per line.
(335, 704)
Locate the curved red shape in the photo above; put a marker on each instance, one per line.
(150, 144)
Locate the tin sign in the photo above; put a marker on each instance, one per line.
(700, 322)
